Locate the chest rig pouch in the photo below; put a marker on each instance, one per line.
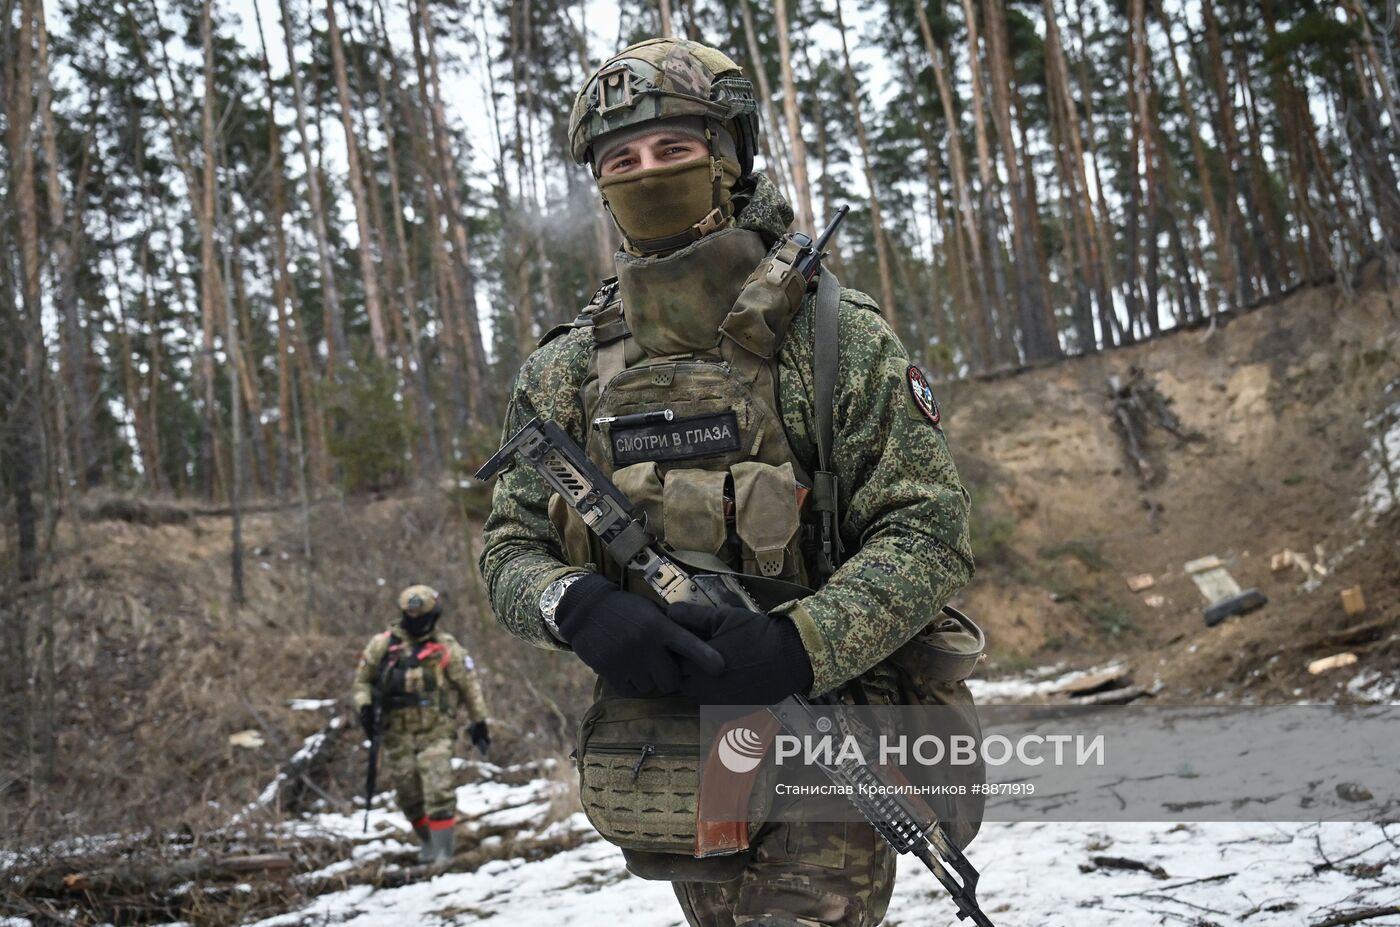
(412, 676)
(682, 413)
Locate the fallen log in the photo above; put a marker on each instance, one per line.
(129, 878)
(1111, 696)
(1122, 862)
(297, 776)
(1357, 916)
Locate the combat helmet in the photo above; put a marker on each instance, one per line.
(419, 607)
(661, 79)
(416, 601)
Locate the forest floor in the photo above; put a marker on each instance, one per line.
(172, 713)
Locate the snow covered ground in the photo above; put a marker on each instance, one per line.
(528, 858)
(1251, 874)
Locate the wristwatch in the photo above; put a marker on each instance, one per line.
(549, 602)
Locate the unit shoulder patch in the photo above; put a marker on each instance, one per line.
(922, 395)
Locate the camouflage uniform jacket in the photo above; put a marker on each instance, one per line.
(903, 509)
(455, 678)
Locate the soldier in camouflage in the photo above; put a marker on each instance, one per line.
(419, 674)
(669, 131)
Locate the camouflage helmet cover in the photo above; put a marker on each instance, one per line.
(659, 79)
(418, 600)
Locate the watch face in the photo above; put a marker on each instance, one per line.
(552, 594)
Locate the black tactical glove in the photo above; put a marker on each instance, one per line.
(628, 640)
(764, 660)
(481, 739)
(367, 720)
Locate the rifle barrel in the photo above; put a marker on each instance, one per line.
(830, 229)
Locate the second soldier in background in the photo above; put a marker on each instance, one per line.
(419, 675)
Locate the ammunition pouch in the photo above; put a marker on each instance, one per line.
(640, 764)
(945, 652)
(412, 677)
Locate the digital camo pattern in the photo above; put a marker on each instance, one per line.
(764, 210)
(805, 873)
(419, 767)
(903, 509)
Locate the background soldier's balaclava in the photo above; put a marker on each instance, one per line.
(677, 86)
(419, 607)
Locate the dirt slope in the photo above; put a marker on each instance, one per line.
(1285, 414)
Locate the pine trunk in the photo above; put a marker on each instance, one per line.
(954, 265)
(374, 308)
(1037, 337)
(966, 213)
(888, 306)
(446, 284)
(1225, 126)
(780, 154)
(262, 469)
(480, 402)
(1004, 343)
(1091, 262)
(209, 287)
(337, 348)
(803, 206)
(1263, 210)
(66, 243)
(151, 452)
(1225, 272)
(1142, 91)
(418, 374)
(1113, 330)
(210, 222)
(24, 341)
(281, 284)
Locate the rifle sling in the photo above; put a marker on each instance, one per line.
(826, 360)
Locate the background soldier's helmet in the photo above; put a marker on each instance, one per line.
(660, 79)
(418, 600)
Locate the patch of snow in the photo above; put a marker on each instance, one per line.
(583, 886)
(309, 746)
(520, 816)
(1374, 686)
(1030, 874)
(1263, 874)
(1042, 681)
(310, 704)
(1383, 460)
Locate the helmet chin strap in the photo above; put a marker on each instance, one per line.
(713, 221)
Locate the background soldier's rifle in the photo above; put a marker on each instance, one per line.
(376, 717)
(906, 823)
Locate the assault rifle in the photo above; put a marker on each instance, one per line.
(905, 822)
(376, 717)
